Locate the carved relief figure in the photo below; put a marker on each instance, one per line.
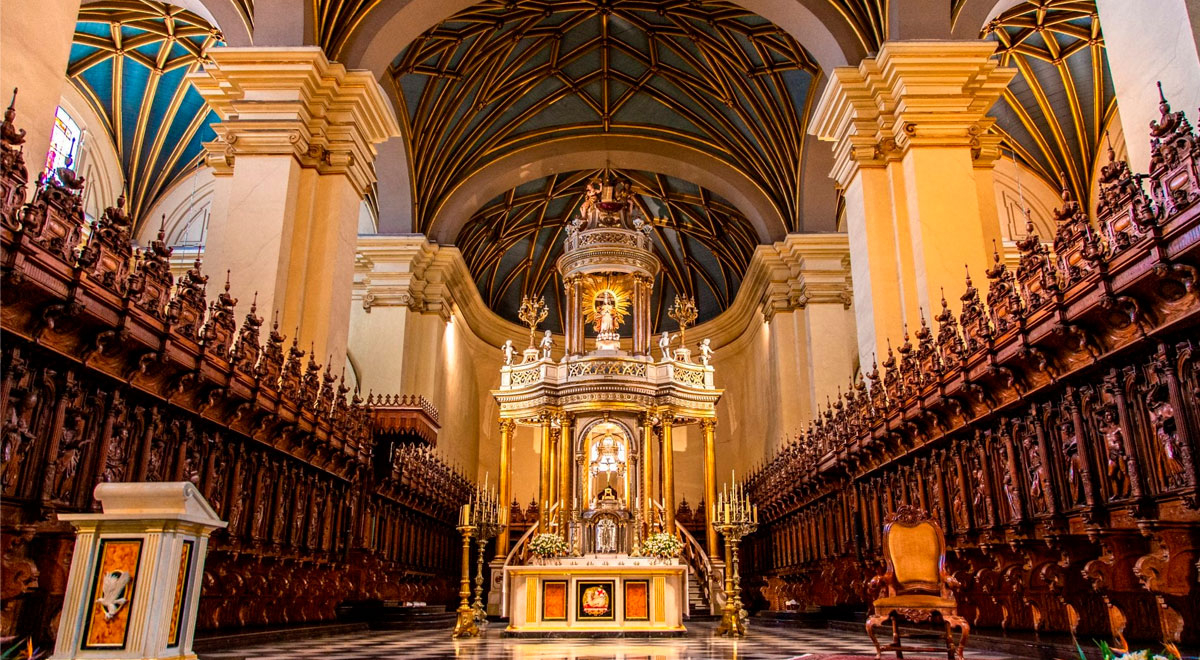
(1033, 457)
(1070, 448)
(15, 443)
(1162, 418)
(1114, 446)
(71, 448)
(114, 466)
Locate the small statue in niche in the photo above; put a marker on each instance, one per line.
(606, 535)
(706, 351)
(509, 353)
(16, 439)
(1114, 445)
(1010, 494)
(547, 345)
(664, 345)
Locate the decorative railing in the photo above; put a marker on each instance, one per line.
(1053, 428)
(608, 237)
(115, 371)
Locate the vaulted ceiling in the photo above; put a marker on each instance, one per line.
(504, 75)
(512, 243)
(129, 60)
(1054, 113)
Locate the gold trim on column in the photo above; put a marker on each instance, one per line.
(709, 427)
(647, 466)
(668, 461)
(544, 491)
(565, 473)
(506, 429)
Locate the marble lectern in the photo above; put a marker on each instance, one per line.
(135, 577)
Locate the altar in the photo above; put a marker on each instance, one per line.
(605, 415)
(595, 596)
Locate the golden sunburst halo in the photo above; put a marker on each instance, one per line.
(612, 287)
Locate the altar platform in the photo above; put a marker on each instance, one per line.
(596, 596)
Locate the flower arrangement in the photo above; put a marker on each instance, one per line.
(662, 546)
(1108, 653)
(548, 545)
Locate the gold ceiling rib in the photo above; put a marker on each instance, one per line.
(868, 19)
(161, 38)
(536, 216)
(492, 74)
(1066, 137)
(336, 21)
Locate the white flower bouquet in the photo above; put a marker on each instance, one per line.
(548, 545)
(662, 546)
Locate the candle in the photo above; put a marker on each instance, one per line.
(755, 514)
(467, 513)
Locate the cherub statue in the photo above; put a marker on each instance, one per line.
(664, 345)
(509, 353)
(706, 351)
(547, 344)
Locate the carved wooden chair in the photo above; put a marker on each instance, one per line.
(915, 586)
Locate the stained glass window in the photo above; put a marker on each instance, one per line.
(64, 140)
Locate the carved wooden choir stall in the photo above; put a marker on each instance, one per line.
(115, 371)
(1051, 428)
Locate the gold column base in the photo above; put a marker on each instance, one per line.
(465, 626)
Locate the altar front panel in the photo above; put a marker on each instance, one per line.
(609, 598)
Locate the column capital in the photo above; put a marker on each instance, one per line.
(912, 94)
(294, 101)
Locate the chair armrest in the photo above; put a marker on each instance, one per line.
(881, 582)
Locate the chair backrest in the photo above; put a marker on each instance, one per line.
(915, 550)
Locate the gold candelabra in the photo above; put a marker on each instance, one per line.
(487, 518)
(734, 517)
(532, 312)
(683, 312)
(465, 625)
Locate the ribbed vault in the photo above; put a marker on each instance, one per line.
(129, 60)
(504, 75)
(1054, 113)
(512, 243)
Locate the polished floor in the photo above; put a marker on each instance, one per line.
(763, 643)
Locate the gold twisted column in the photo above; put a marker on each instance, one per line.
(506, 431)
(709, 427)
(668, 463)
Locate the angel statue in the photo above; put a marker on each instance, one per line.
(509, 353)
(547, 344)
(706, 351)
(664, 345)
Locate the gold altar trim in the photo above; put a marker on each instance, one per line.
(571, 570)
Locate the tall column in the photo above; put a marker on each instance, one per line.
(293, 157)
(647, 466)
(668, 463)
(37, 39)
(574, 330)
(566, 459)
(709, 426)
(506, 431)
(641, 314)
(544, 490)
(1145, 48)
(910, 129)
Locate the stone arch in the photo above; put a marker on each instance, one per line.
(584, 152)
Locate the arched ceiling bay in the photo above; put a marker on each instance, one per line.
(129, 60)
(503, 75)
(512, 243)
(1054, 113)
